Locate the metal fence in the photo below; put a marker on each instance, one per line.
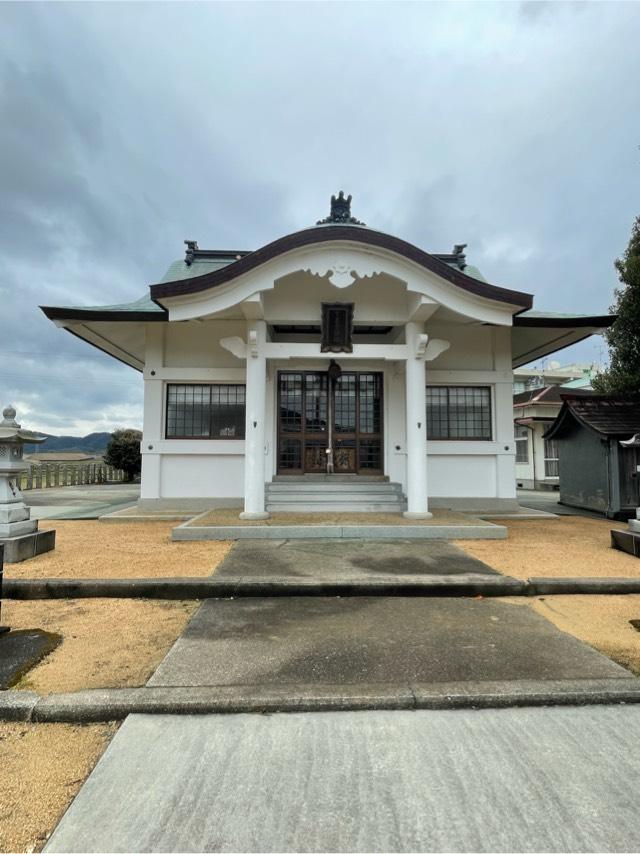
(42, 475)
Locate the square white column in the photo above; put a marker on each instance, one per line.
(416, 417)
(254, 454)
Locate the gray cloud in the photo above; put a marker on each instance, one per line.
(128, 127)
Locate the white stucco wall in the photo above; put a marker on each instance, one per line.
(203, 473)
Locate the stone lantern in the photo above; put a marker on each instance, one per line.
(19, 533)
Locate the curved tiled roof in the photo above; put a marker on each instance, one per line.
(327, 233)
(605, 414)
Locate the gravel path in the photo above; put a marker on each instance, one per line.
(91, 549)
(43, 767)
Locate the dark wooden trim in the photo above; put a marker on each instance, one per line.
(61, 313)
(328, 234)
(599, 321)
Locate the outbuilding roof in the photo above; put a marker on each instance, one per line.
(607, 415)
(546, 394)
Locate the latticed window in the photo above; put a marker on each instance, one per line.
(551, 465)
(205, 411)
(458, 412)
(522, 444)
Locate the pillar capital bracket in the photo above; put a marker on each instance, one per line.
(436, 347)
(236, 346)
(422, 341)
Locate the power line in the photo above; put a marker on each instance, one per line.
(59, 381)
(51, 353)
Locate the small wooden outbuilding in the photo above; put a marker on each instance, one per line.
(596, 472)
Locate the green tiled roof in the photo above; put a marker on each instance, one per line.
(198, 267)
(145, 303)
(472, 271)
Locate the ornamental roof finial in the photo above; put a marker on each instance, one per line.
(340, 211)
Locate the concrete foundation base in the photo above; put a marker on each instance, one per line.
(626, 541)
(17, 549)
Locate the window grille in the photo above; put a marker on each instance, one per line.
(205, 411)
(459, 412)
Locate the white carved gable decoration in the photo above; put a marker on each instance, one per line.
(342, 270)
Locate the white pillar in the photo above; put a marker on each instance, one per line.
(416, 395)
(254, 466)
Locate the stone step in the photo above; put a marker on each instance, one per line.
(335, 502)
(335, 507)
(323, 488)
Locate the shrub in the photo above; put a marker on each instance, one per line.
(123, 452)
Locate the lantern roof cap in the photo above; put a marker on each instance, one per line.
(11, 431)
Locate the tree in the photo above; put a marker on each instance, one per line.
(623, 338)
(123, 452)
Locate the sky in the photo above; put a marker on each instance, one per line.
(126, 128)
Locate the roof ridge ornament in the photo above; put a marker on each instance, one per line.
(192, 248)
(340, 211)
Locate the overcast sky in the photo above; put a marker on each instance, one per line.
(126, 128)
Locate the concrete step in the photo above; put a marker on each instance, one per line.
(335, 507)
(324, 488)
(327, 497)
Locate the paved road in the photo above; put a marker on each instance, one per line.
(562, 779)
(547, 500)
(80, 502)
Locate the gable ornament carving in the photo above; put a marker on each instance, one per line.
(342, 270)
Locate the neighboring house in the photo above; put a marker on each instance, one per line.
(575, 375)
(596, 471)
(337, 352)
(536, 457)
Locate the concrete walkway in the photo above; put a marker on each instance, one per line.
(373, 640)
(80, 502)
(562, 779)
(346, 560)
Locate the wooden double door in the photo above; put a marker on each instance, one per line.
(330, 424)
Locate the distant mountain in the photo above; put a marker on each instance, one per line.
(94, 443)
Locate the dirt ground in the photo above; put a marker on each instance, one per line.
(600, 621)
(107, 643)
(43, 767)
(92, 549)
(568, 546)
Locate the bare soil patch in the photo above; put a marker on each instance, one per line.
(91, 549)
(569, 546)
(107, 643)
(43, 767)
